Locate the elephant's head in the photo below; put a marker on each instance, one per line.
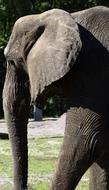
(46, 46)
(41, 50)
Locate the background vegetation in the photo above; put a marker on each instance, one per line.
(11, 10)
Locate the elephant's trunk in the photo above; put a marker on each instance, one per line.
(16, 109)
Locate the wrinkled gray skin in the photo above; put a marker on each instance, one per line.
(58, 53)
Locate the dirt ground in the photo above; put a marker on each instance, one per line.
(47, 127)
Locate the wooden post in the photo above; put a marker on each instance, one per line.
(37, 114)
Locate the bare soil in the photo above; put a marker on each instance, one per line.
(47, 127)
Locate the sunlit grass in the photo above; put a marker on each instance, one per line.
(43, 157)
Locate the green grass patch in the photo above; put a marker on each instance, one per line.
(43, 157)
(40, 167)
(40, 186)
(5, 159)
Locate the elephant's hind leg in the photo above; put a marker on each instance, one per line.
(100, 173)
(75, 156)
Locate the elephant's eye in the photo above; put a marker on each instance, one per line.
(10, 63)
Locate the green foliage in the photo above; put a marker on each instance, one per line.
(10, 10)
(70, 5)
(55, 106)
(51, 108)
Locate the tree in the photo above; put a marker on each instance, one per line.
(11, 10)
(21, 8)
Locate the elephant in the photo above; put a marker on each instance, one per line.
(56, 52)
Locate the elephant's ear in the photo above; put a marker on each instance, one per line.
(54, 52)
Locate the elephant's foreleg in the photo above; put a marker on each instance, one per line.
(16, 109)
(74, 161)
(76, 156)
(84, 143)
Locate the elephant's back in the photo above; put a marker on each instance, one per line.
(96, 21)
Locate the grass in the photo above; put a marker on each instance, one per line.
(43, 157)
